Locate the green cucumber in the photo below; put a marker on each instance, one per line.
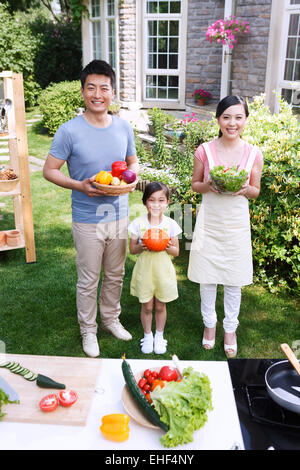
(147, 409)
(45, 382)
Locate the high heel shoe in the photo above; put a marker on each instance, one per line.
(208, 343)
(230, 350)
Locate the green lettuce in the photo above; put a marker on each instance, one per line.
(183, 406)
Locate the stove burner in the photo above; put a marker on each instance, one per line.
(264, 410)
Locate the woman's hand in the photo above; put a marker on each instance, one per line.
(243, 191)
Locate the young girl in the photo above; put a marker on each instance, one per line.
(154, 278)
(221, 247)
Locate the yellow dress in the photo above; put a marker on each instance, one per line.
(154, 274)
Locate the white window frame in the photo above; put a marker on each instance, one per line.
(104, 19)
(285, 84)
(180, 71)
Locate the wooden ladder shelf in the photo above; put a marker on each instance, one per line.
(19, 162)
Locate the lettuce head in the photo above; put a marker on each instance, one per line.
(183, 406)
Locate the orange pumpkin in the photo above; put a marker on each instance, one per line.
(156, 239)
(103, 177)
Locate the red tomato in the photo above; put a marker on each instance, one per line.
(49, 402)
(143, 391)
(67, 397)
(168, 373)
(150, 379)
(147, 387)
(147, 373)
(155, 374)
(142, 382)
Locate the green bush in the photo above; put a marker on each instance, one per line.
(18, 49)
(58, 104)
(58, 52)
(274, 215)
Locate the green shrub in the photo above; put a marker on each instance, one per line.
(18, 48)
(275, 214)
(58, 104)
(58, 52)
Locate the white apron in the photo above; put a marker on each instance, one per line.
(221, 251)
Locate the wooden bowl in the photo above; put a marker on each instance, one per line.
(8, 185)
(115, 190)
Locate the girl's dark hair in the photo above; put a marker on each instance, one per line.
(99, 67)
(153, 187)
(228, 101)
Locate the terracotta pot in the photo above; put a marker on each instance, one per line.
(13, 238)
(2, 238)
(201, 102)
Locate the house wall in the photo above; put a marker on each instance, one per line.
(203, 60)
(250, 54)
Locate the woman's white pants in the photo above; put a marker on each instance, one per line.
(232, 302)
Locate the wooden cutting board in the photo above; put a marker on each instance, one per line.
(79, 374)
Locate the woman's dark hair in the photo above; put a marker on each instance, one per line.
(100, 67)
(153, 187)
(228, 101)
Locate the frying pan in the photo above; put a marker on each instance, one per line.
(283, 382)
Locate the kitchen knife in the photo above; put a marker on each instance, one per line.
(12, 394)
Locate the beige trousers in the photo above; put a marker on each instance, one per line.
(99, 247)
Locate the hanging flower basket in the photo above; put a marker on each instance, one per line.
(225, 31)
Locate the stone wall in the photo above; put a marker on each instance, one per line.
(203, 60)
(127, 50)
(251, 52)
(249, 59)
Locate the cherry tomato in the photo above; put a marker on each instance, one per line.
(150, 379)
(155, 374)
(143, 391)
(142, 382)
(147, 373)
(168, 373)
(147, 387)
(49, 402)
(67, 397)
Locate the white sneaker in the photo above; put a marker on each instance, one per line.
(147, 344)
(118, 330)
(160, 345)
(90, 344)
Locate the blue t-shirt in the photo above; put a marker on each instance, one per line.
(87, 150)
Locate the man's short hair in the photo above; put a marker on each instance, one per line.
(99, 67)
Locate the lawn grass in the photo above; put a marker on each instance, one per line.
(38, 301)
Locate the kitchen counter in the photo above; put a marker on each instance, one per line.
(221, 431)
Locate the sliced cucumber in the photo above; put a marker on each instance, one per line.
(11, 365)
(5, 364)
(16, 369)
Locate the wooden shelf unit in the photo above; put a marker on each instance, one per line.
(18, 160)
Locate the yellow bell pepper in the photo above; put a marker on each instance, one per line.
(103, 177)
(114, 427)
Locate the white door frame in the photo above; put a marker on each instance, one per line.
(229, 8)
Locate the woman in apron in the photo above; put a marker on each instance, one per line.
(221, 250)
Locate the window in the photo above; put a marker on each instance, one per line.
(162, 26)
(102, 15)
(290, 63)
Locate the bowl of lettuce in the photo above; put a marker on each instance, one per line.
(183, 406)
(227, 180)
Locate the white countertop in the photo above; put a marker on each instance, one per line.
(220, 432)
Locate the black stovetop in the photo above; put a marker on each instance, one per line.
(264, 424)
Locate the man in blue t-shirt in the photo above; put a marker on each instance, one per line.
(89, 143)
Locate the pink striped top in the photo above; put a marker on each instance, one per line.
(201, 155)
